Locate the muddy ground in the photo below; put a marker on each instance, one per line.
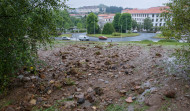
(99, 77)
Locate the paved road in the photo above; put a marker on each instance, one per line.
(142, 36)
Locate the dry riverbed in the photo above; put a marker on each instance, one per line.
(98, 77)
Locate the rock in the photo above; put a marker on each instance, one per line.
(158, 55)
(52, 81)
(107, 62)
(187, 96)
(55, 76)
(187, 86)
(46, 105)
(170, 94)
(134, 98)
(49, 91)
(20, 77)
(137, 87)
(129, 100)
(78, 89)
(72, 71)
(34, 78)
(81, 101)
(101, 80)
(94, 108)
(89, 90)
(69, 104)
(33, 102)
(58, 84)
(106, 82)
(99, 91)
(10, 109)
(26, 79)
(70, 97)
(123, 91)
(141, 90)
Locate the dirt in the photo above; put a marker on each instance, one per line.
(104, 75)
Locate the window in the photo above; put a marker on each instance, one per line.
(152, 20)
(156, 20)
(164, 24)
(157, 15)
(152, 15)
(156, 24)
(160, 20)
(160, 24)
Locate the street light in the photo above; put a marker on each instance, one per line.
(121, 31)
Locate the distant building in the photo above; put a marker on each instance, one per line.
(78, 15)
(153, 13)
(105, 18)
(88, 9)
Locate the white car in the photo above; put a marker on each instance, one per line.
(65, 38)
(83, 38)
(135, 31)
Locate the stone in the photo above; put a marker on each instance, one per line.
(69, 104)
(89, 90)
(101, 80)
(46, 105)
(98, 91)
(70, 97)
(81, 101)
(26, 79)
(123, 91)
(170, 94)
(52, 81)
(126, 72)
(78, 89)
(106, 82)
(33, 102)
(94, 108)
(49, 91)
(129, 100)
(20, 77)
(137, 87)
(58, 84)
(34, 78)
(134, 98)
(42, 76)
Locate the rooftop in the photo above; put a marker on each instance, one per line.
(146, 11)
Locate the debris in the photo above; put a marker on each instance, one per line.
(170, 94)
(129, 100)
(33, 102)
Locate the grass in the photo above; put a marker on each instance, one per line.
(5, 104)
(160, 36)
(65, 35)
(111, 36)
(116, 107)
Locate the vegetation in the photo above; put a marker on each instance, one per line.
(21, 29)
(159, 36)
(92, 24)
(113, 9)
(114, 36)
(125, 22)
(116, 24)
(134, 24)
(108, 29)
(148, 24)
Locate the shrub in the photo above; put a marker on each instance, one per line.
(146, 41)
(116, 34)
(108, 29)
(167, 40)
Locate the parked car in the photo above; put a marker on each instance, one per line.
(83, 38)
(66, 38)
(135, 31)
(103, 38)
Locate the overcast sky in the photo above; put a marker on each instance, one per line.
(122, 3)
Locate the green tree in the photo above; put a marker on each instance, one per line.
(148, 24)
(92, 24)
(125, 22)
(108, 29)
(134, 24)
(116, 24)
(25, 24)
(79, 26)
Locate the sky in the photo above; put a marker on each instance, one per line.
(123, 3)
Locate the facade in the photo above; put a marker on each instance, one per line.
(78, 15)
(153, 13)
(105, 18)
(88, 9)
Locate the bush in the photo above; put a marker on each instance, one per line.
(146, 41)
(167, 40)
(108, 29)
(116, 34)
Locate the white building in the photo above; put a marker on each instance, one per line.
(105, 18)
(88, 9)
(153, 13)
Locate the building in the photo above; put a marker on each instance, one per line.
(153, 13)
(88, 9)
(105, 18)
(78, 15)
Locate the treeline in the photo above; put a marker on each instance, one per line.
(114, 9)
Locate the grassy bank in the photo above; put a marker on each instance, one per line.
(111, 36)
(65, 35)
(159, 36)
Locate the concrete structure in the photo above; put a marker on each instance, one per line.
(88, 9)
(105, 18)
(78, 15)
(153, 13)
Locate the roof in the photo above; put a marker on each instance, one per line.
(106, 15)
(146, 11)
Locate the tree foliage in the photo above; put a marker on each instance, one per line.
(148, 24)
(134, 24)
(116, 24)
(92, 24)
(113, 9)
(125, 22)
(108, 29)
(24, 24)
(178, 18)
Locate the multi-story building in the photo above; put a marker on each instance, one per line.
(88, 9)
(153, 13)
(105, 18)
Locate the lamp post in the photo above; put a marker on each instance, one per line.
(94, 25)
(121, 31)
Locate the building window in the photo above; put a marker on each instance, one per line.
(156, 25)
(164, 24)
(152, 15)
(157, 15)
(156, 20)
(160, 24)
(160, 20)
(152, 20)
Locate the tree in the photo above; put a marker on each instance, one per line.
(108, 29)
(125, 22)
(79, 26)
(178, 18)
(134, 24)
(92, 24)
(116, 24)
(148, 24)
(25, 24)
(113, 9)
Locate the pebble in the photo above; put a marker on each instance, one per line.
(33, 102)
(20, 77)
(101, 80)
(81, 101)
(106, 82)
(26, 79)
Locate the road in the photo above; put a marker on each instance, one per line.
(142, 36)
